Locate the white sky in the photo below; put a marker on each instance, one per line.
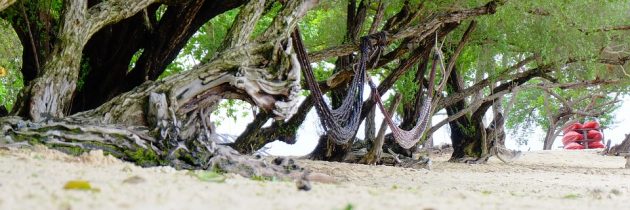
(308, 133)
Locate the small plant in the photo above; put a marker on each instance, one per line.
(571, 196)
(208, 176)
(349, 206)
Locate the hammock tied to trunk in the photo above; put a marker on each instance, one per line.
(407, 139)
(341, 124)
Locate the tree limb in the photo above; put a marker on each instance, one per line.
(240, 72)
(111, 11)
(5, 3)
(244, 24)
(378, 17)
(451, 99)
(478, 106)
(288, 18)
(420, 31)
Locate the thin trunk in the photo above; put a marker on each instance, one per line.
(374, 154)
(370, 126)
(550, 136)
(428, 144)
(411, 109)
(496, 131)
(356, 15)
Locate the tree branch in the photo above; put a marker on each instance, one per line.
(450, 100)
(287, 19)
(610, 28)
(244, 24)
(453, 59)
(112, 11)
(241, 72)
(501, 90)
(5, 3)
(378, 17)
(420, 31)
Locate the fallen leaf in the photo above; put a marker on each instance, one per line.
(79, 185)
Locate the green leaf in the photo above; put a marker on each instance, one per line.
(79, 185)
(208, 176)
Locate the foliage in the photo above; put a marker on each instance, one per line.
(407, 86)
(232, 109)
(324, 26)
(204, 44)
(559, 32)
(10, 61)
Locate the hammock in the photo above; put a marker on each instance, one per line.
(342, 123)
(407, 139)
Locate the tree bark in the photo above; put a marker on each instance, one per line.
(51, 92)
(159, 42)
(137, 145)
(370, 126)
(418, 31)
(451, 21)
(5, 3)
(464, 130)
(621, 149)
(178, 24)
(163, 122)
(374, 154)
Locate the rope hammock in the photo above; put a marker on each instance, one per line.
(407, 139)
(342, 123)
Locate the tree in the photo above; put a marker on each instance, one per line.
(540, 41)
(139, 102)
(261, 71)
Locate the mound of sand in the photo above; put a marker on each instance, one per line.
(35, 179)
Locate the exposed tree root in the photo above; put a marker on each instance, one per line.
(136, 145)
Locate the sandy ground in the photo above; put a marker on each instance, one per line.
(35, 179)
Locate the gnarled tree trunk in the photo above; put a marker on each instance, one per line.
(165, 122)
(50, 94)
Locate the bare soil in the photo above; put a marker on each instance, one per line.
(35, 179)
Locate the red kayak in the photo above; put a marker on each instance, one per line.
(591, 125)
(570, 137)
(594, 135)
(572, 127)
(595, 145)
(573, 145)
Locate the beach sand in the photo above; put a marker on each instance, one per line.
(35, 179)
